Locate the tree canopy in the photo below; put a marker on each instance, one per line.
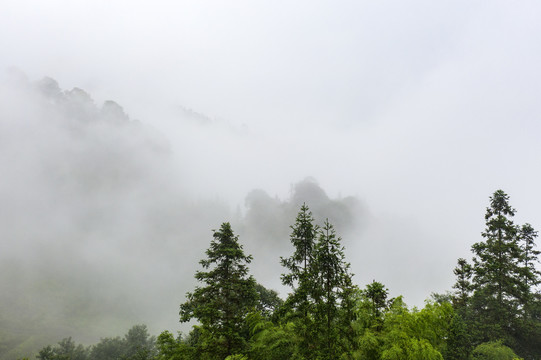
(228, 294)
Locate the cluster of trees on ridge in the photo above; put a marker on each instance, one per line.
(493, 313)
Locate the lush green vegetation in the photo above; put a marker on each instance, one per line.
(494, 311)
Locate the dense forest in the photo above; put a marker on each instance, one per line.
(493, 311)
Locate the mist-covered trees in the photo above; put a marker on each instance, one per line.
(65, 349)
(333, 295)
(494, 313)
(228, 294)
(300, 276)
(137, 344)
(320, 305)
(299, 273)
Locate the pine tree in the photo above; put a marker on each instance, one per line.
(497, 274)
(228, 295)
(303, 238)
(458, 340)
(463, 284)
(376, 293)
(528, 330)
(530, 274)
(333, 293)
(299, 305)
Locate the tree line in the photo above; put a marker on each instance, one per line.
(493, 312)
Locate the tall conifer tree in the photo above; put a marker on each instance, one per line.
(530, 274)
(222, 304)
(463, 284)
(497, 275)
(300, 277)
(333, 293)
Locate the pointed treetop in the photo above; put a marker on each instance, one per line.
(499, 205)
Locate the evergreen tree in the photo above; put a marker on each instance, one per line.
(171, 348)
(377, 293)
(530, 275)
(299, 305)
(66, 349)
(463, 285)
(528, 331)
(138, 343)
(459, 340)
(502, 305)
(108, 349)
(223, 303)
(333, 292)
(496, 271)
(303, 238)
(268, 301)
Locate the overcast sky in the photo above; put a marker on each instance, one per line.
(421, 109)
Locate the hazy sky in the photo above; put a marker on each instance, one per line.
(421, 109)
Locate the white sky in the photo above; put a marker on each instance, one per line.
(420, 108)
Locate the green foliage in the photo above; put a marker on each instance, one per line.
(268, 300)
(395, 332)
(375, 295)
(463, 285)
(499, 303)
(228, 295)
(236, 357)
(530, 275)
(321, 306)
(459, 340)
(108, 349)
(331, 293)
(418, 332)
(493, 351)
(299, 305)
(66, 349)
(138, 344)
(369, 345)
(410, 348)
(170, 348)
(303, 237)
(270, 341)
(299, 276)
(496, 272)
(494, 306)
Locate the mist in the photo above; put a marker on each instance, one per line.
(100, 230)
(131, 131)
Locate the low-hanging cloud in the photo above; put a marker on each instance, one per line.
(419, 110)
(99, 229)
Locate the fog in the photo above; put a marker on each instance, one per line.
(129, 131)
(101, 230)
